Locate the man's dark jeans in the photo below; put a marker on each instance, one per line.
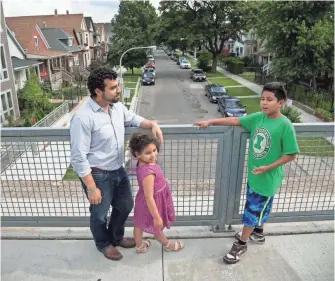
(116, 192)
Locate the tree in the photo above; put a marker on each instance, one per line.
(210, 23)
(300, 35)
(133, 26)
(33, 102)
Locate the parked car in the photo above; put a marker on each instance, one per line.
(169, 53)
(150, 64)
(214, 92)
(148, 78)
(231, 106)
(198, 75)
(180, 59)
(173, 57)
(150, 57)
(151, 70)
(185, 64)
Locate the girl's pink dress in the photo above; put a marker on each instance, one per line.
(162, 197)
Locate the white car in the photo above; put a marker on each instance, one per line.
(150, 57)
(185, 64)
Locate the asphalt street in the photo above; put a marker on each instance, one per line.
(175, 99)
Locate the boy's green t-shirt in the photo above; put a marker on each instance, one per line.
(270, 139)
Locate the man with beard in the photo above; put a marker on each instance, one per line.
(97, 154)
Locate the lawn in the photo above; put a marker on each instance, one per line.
(317, 146)
(137, 72)
(70, 175)
(243, 91)
(215, 74)
(129, 85)
(252, 104)
(249, 76)
(192, 62)
(130, 78)
(223, 81)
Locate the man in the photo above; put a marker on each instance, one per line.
(97, 154)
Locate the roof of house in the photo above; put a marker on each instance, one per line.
(108, 27)
(101, 27)
(57, 39)
(23, 26)
(16, 43)
(89, 22)
(21, 63)
(46, 53)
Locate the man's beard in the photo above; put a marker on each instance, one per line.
(112, 100)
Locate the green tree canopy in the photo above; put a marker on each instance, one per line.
(300, 34)
(133, 26)
(207, 23)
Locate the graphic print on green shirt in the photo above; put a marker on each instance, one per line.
(270, 139)
(262, 143)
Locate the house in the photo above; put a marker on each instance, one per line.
(22, 67)
(9, 101)
(103, 44)
(108, 27)
(94, 40)
(254, 47)
(234, 47)
(60, 41)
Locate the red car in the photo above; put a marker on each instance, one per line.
(150, 64)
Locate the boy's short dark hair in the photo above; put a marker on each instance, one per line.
(139, 141)
(277, 89)
(97, 77)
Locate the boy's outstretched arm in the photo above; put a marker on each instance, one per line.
(229, 121)
(281, 161)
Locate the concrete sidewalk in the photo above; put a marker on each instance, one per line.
(290, 257)
(305, 117)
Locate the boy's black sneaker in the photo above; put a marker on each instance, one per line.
(255, 237)
(235, 253)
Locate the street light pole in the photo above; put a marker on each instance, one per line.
(134, 48)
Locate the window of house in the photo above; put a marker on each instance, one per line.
(255, 49)
(6, 106)
(86, 40)
(70, 42)
(4, 69)
(241, 50)
(35, 41)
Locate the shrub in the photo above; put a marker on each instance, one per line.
(291, 113)
(247, 61)
(204, 61)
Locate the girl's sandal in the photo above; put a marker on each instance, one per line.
(143, 249)
(178, 245)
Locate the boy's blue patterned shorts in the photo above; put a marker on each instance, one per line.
(257, 208)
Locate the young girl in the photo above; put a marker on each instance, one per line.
(154, 208)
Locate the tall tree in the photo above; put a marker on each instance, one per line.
(133, 26)
(300, 34)
(210, 23)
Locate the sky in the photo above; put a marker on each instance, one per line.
(99, 10)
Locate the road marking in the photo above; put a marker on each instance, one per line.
(196, 86)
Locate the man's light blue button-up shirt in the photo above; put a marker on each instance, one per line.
(97, 137)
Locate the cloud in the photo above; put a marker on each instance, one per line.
(100, 11)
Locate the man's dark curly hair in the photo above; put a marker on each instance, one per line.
(97, 78)
(139, 141)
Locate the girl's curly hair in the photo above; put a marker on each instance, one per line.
(139, 141)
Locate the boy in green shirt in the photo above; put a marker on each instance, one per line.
(272, 144)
